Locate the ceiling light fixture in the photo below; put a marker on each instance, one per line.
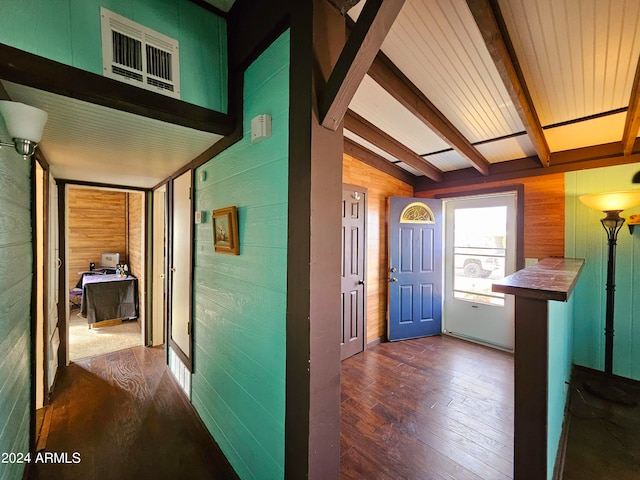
(25, 125)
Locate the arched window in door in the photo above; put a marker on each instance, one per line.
(417, 212)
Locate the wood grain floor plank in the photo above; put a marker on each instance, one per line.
(459, 448)
(127, 418)
(435, 407)
(406, 455)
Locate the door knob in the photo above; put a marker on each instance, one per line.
(392, 269)
(393, 279)
(360, 282)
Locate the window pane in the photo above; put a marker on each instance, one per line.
(479, 253)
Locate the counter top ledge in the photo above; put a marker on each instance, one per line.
(549, 279)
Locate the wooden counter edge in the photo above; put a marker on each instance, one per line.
(540, 281)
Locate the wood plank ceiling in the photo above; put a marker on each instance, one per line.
(469, 88)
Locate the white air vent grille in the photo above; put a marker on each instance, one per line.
(135, 54)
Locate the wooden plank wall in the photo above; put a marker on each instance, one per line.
(379, 187)
(15, 305)
(97, 223)
(238, 387)
(543, 212)
(135, 207)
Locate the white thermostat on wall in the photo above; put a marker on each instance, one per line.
(260, 128)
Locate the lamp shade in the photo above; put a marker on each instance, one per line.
(23, 121)
(613, 201)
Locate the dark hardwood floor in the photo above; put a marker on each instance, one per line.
(125, 416)
(604, 437)
(428, 408)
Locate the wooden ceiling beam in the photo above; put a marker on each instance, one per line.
(372, 134)
(389, 77)
(597, 156)
(494, 32)
(374, 160)
(632, 122)
(356, 57)
(593, 152)
(343, 6)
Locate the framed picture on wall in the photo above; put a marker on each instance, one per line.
(225, 230)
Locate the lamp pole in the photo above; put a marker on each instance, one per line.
(612, 224)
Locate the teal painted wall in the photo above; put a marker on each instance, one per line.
(585, 238)
(560, 364)
(238, 386)
(15, 304)
(68, 31)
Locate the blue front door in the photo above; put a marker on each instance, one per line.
(415, 268)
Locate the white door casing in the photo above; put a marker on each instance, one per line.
(181, 263)
(158, 268)
(480, 247)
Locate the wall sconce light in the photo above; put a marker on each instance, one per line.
(25, 125)
(611, 204)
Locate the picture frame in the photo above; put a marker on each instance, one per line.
(225, 230)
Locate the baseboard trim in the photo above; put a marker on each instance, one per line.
(375, 341)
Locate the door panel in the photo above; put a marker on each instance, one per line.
(159, 255)
(480, 248)
(353, 289)
(415, 268)
(181, 265)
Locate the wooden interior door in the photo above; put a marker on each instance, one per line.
(353, 289)
(180, 310)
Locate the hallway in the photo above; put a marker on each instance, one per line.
(125, 416)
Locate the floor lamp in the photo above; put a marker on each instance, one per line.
(611, 204)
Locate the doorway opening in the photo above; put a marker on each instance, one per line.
(180, 286)
(480, 248)
(105, 265)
